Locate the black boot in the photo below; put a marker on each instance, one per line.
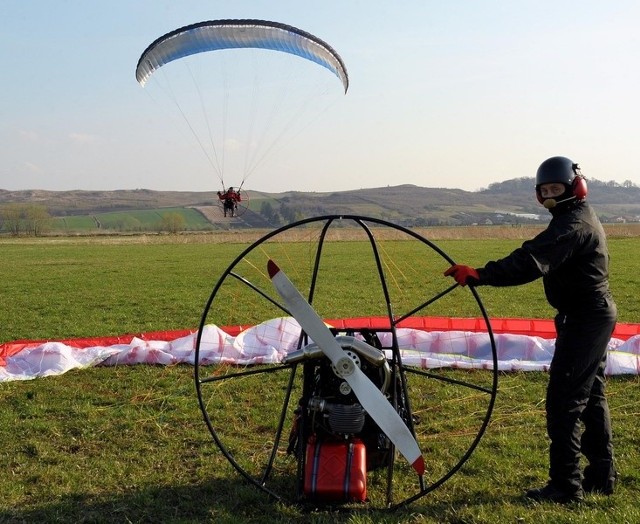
(594, 483)
(550, 493)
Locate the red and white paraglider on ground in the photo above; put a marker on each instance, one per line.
(522, 344)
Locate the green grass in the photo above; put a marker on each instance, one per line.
(128, 444)
(128, 221)
(65, 291)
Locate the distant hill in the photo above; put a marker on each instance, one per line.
(512, 201)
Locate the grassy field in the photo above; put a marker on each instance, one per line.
(128, 444)
(128, 221)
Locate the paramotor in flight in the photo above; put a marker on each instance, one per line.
(242, 90)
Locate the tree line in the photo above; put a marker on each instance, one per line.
(35, 220)
(24, 219)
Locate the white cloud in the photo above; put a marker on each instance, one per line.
(33, 168)
(84, 138)
(31, 136)
(232, 144)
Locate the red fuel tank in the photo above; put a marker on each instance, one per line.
(336, 470)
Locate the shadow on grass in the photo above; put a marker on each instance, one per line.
(223, 500)
(217, 499)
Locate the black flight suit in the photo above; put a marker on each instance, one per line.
(572, 258)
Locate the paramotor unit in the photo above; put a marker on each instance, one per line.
(233, 202)
(353, 413)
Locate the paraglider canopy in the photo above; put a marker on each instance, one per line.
(242, 90)
(228, 34)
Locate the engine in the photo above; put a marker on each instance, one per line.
(333, 437)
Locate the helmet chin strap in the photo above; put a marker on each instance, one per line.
(550, 203)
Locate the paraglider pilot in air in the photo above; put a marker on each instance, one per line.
(230, 199)
(572, 258)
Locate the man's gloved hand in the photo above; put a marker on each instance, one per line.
(463, 275)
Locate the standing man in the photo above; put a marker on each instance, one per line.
(572, 258)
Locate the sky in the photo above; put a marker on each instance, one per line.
(457, 94)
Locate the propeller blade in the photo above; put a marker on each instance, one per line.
(371, 398)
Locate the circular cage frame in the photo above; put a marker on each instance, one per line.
(363, 222)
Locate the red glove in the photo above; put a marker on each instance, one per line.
(463, 275)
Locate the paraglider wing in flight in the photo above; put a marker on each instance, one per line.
(231, 34)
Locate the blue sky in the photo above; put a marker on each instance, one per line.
(455, 94)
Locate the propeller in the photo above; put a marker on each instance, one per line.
(371, 398)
